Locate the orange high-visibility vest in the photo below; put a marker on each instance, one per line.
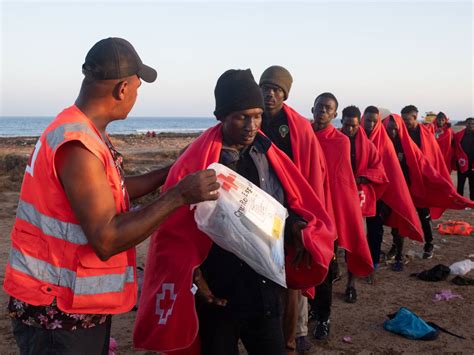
(50, 256)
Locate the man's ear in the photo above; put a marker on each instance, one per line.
(120, 90)
(312, 109)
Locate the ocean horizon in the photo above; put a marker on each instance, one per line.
(32, 126)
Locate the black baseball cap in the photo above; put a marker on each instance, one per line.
(115, 58)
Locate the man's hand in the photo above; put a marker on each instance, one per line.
(300, 251)
(204, 293)
(198, 187)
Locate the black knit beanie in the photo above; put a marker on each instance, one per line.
(278, 76)
(236, 90)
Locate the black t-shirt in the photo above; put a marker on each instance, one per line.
(401, 158)
(353, 153)
(467, 144)
(278, 131)
(415, 135)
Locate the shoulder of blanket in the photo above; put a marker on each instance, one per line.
(460, 134)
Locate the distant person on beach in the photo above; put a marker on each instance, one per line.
(444, 136)
(346, 207)
(232, 300)
(371, 180)
(292, 133)
(72, 261)
(464, 157)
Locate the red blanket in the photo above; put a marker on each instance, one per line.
(460, 156)
(369, 165)
(444, 136)
(166, 318)
(397, 195)
(308, 155)
(345, 201)
(428, 186)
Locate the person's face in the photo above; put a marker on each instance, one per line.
(324, 110)
(350, 126)
(392, 129)
(240, 128)
(410, 119)
(273, 97)
(441, 121)
(370, 120)
(129, 93)
(470, 126)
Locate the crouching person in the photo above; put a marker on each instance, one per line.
(233, 301)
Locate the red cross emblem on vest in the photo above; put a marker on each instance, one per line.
(228, 181)
(165, 302)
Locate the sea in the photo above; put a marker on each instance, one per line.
(17, 126)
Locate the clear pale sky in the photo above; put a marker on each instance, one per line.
(384, 53)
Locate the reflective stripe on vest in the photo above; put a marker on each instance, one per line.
(56, 136)
(69, 232)
(91, 285)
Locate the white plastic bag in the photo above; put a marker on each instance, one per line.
(462, 267)
(247, 222)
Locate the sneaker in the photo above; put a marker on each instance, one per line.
(397, 266)
(322, 329)
(391, 253)
(303, 344)
(351, 295)
(428, 251)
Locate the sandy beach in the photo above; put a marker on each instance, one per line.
(361, 321)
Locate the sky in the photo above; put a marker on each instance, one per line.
(388, 54)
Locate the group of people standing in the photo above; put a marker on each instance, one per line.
(72, 262)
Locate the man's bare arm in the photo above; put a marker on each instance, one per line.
(141, 185)
(87, 189)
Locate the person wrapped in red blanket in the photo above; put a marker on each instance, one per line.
(464, 157)
(293, 134)
(346, 206)
(428, 187)
(369, 176)
(395, 207)
(233, 300)
(444, 136)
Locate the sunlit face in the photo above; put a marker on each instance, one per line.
(350, 126)
(470, 125)
(240, 128)
(130, 95)
(370, 120)
(324, 111)
(273, 97)
(410, 119)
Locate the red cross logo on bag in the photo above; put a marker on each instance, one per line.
(165, 302)
(229, 181)
(362, 197)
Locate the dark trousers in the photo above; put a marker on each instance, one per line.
(39, 341)
(425, 219)
(398, 241)
(375, 234)
(321, 304)
(221, 330)
(462, 181)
